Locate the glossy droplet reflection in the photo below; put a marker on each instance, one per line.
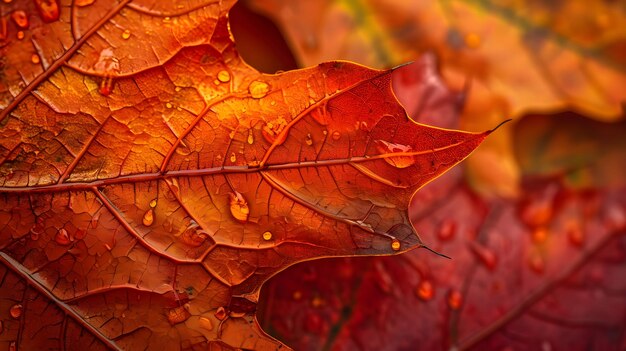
(425, 290)
(148, 217)
(267, 236)
(177, 315)
(385, 148)
(239, 207)
(272, 131)
(258, 89)
(62, 237)
(126, 34)
(16, 311)
(48, 10)
(35, 59)
(106, 86)
(20, 18)
(223, 76)
(395, 245)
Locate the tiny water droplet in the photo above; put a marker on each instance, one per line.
(455, 300)
(153, 203)
(16, 311)
(484, 255)
(309, 139)
(20, 35)
(267, 236)
(239, 207)
(48, 10)
(20, 18)
(106, 86)
(220, 313)
(395, 245)
(385, 147)
(126, 34)
(205, 323)
(223, 76)
(166, 20)
(250, 137)
(177, 315)
(336, 135)
(193, 235)
(272, 131)
(425, 290)
(62, 237)
(447, 229)
(168, 105)
(35, 59)
(148, 217)
(258, 89)
(233, 158)
(83, 3)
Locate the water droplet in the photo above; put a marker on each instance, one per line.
(472, 40)
(205, 323)
(20, 18)
(193, 235)
(425, 290)
(233, 158)
(537, 263)
(62, 237)
(148, 217)
(272, 131)
(309, 139)
(455, 300)
(48, 10)
(220, 313)
(35, 59)
(336, 135)
(106, 86)
(258, 89)
(126, 34)
(20, 35)
(267, 236)
(153, 203)
(447, 229)
(385, 147)
(575, 233)
(239, 207)
(16, 311)
(168, 105)
(540, 235)
(395, 245)
(223, 76)
(177, 315)
(166, 20)
(82, 3)
(484, 255)
(250, 137)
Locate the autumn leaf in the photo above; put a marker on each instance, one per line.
(520, 56)
(151, 180)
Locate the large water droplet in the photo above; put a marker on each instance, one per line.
(267, 236)
(258, 89)
(455, 300)
(177, 315)
(193, 235)
(239, 207)
(62, 237)
(48, 10)
(148, 217)
(106, 86)
(395, 245)
(16, 311)
(223, 76)
(385, 147)
(425, 290)
(233, 158)
(20, 18)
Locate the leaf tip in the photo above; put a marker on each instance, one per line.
(436, 253)
(499, 125)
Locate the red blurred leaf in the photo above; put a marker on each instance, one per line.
(151, 181)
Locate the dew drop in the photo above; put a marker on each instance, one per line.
(166, 20)
(223, 76)
(148, 217)
(62, 237)
(385, 147)
(220, 313)
(48, 10)
(126, 34)
(106, 86)
(239, 207)
(395, 245)
(35, 59)
(273, 131)
(472, 40)
(205, 323)
(233, 158)
(484, 255)
(83, 3)
(455, 300)
(193, 235)
(447, 229)
(336, 135)
(20, 35)
(177, 315)
(168, 105)
(250, 137)
(16, 311)
(258, 89)
(425, 290)
(20, 18)
(309, 139)
(267, 236)
(153, 203)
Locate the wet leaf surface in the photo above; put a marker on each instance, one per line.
(151, 181)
